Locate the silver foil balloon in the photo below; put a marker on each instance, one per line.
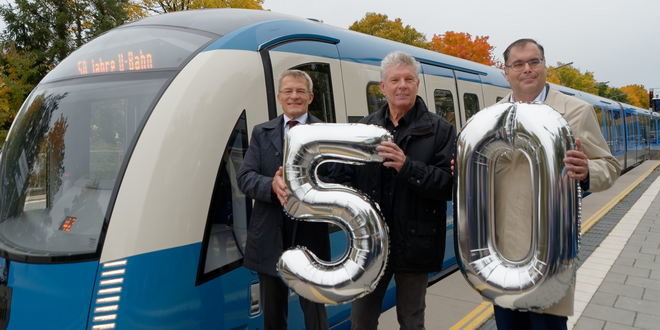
(357, 272)
(544, 276)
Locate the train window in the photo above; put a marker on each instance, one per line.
(599, 115)
(323, 105)
(609, 129)
(62, 161)
(643, 132)
(632, 132)
(471, 103)
(226, 228)
(444, 105)
(618, 130)
(375, 97)
(598, 111)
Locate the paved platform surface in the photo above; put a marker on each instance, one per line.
(618, 280)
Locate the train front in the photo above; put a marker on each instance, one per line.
(60, 168)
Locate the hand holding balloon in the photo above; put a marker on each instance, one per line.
(392, 154)
(577, 163)
(279, 186)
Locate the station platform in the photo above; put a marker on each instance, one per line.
(618, 277)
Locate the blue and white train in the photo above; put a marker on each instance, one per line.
(119, 206)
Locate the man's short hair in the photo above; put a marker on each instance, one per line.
(298, 74)
(522, 43)
(398, 58)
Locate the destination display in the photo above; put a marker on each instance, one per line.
(130, 50)
(120, 62)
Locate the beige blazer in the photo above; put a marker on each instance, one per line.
(513, 203)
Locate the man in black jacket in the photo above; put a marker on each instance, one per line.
(411, 186)
(270, 231)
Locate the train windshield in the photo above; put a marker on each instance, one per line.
(62, 158)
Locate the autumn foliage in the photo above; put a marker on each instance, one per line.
(572, 77)
(380, 25)
(637, 95)
(461, 44)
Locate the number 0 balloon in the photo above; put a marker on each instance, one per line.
(357, 272)
(543, 277)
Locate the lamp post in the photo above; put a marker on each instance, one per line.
(563, 65)
(602, 87)
(557, 70)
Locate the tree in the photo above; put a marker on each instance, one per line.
(615, 94)
(567, 75)
(52, 29)
(105, 15)
(19, 73)
(380, 26)
(637, 95)
(41, 33)
(571, 77)
(143, 8)
(461, 44)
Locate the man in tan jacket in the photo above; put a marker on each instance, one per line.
(591, 164)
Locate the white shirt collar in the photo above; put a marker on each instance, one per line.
(539, 98)
(302, 120)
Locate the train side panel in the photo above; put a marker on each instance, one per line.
(162, 207)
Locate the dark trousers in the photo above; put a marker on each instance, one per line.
(410, 302)
(275, 305)
(508, 319)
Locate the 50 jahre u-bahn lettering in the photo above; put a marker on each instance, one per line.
(126, 61)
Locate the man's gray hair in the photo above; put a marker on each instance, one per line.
(396, 58)
(298, 74)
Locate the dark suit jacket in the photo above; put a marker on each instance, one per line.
(268, 224)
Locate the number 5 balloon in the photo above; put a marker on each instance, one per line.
(357, 272)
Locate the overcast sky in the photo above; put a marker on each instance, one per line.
(612, 39)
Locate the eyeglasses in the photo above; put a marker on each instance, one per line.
(520, 65)
(288, 91)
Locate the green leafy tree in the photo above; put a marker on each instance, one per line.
(143, 8)
(380, 25)
(52, 29)
(569, 76)
(615, 94)
(105, 15)
(41, 33)
(19, 73)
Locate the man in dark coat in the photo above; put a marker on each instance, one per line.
(270, 231)
(411, 186)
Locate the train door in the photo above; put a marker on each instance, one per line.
(362, 85)
(470, 95)
(619, 134)
(644, 126)
(320, 59)
(631, 137)
(655, 136)
(441, 95)
(228, 287)
(441, 92)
